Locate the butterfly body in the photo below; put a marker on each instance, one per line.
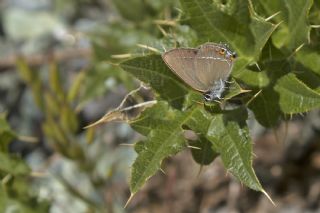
(205, 68)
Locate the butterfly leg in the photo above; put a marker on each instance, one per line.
(216, 91)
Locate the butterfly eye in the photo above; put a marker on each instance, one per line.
(222, 51)
(234, 55)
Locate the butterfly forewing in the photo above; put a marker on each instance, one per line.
(181, 62)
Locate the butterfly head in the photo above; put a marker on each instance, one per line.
(225, 51)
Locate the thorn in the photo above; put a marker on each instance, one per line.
(39, 174)
(285, 131)
(269, 198)
(93, 124)
(315, 26)
(296, 50)
(270, 17)
(194, 147)
(253, 97)
(143, 104)
(178, 9)
(162, 171)
(6, 179)
(122, 56)
(276, 135)
(254, 155)
(257, 65)
(126, 144)
(245, 90)
(164, 33)
(149, 48)
(200, 170)
(28, 139)
(277, 25)
(299, 48)
(128, 201)
(171, 23)
(219, 102)
(227, 173)
(251, 9)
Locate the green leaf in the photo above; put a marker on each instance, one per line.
(266, 107)
(203, 154)
(295, 96)
(238, 25)
(32, 78)
(308, 77)
(230, 136)
(13, 165)
(6, 134)
(153, 71)
(163, 141)
(310, 58)
(233, 90)
(295, 30)
(152, 118)
(139, 146)
(17, 200)
(249, 77)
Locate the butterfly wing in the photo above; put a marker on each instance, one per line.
(181, 62)
(211, 65)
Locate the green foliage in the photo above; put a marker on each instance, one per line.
(295, 96)
(6, 134)
(295, 29)
(15, 177)
(152, 70)
(234, 23)
(269, 47)
(202, 153)
(61, 120)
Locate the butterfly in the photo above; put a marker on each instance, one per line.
(205, 68)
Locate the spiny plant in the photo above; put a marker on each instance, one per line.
(277, 67)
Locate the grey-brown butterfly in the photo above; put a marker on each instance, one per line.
(205, 69)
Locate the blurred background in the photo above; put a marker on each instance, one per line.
(58, 74)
